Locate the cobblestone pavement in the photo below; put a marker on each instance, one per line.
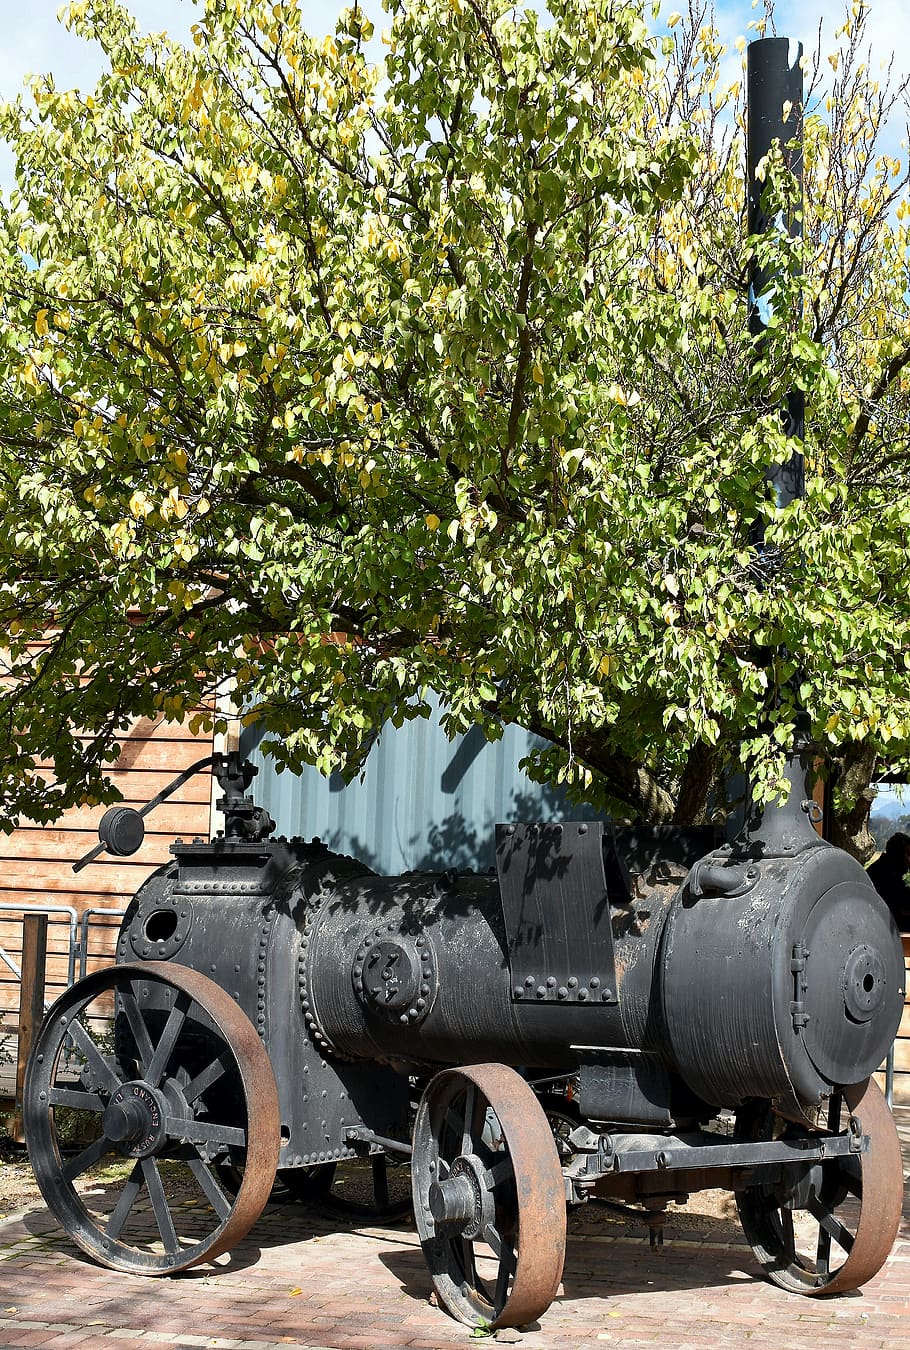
(298, 1280)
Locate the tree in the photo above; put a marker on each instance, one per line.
(344, 387)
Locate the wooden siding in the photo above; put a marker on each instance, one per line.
(36, 861)
(902, 1044)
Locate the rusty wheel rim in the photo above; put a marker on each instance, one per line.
(854, 1203)
(190, 1085)
(489, 1198)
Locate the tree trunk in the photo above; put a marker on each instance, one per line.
(853, 797)
(695, 785)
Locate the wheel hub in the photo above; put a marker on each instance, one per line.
(464, 1200)
(135, 1120)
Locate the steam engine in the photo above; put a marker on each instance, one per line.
(628, 1016)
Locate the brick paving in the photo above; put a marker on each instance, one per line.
(300, 1280)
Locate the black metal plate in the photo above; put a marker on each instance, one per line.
(557, 913)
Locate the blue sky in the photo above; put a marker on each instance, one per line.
(36, 42)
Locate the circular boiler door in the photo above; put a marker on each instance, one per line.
(848, 983)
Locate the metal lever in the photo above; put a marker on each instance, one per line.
(121, 829)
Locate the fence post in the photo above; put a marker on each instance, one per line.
(31, 1002)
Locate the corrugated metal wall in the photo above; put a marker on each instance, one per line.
(425, 802)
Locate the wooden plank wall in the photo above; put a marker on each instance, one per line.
(902, 1044)
(36, 860)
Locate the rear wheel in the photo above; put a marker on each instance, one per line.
(188, 1089)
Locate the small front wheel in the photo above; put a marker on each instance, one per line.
(489, 1197)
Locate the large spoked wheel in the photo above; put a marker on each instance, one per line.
(189, 1088)
(830, 1228)
(489, 1197)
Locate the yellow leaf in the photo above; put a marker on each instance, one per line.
(41, 325)
(377, 411)
(148, 440)
(674, 19)
(432, 522)
(833, 61)
(139, 505)
(604, 667)
(537, 374)
(203, 506)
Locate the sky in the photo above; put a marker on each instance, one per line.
(36, 42)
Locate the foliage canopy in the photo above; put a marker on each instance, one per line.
(336, 384)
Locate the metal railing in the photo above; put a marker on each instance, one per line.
(29, 977)
(83, 950)
(73, 946)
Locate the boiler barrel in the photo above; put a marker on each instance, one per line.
(416, 970)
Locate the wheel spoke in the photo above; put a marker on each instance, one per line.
(507, 1264)
(501, 1171)
(220, 1201)
(789, 1239)
(850, 1175)
(492, 1236)
(451, 1133)
(470, 1106)
(74, 1167)
(835, 1103)
(79, 1037)
(204, 1080)
(137, 1026)
(830, 1225)
(165, 1046)
(204, 1132)
(823, 1253)
(127, 1199)
(79, 1100)
(160, 1206)
(464, 1251)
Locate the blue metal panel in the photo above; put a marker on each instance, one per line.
(423, 801)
